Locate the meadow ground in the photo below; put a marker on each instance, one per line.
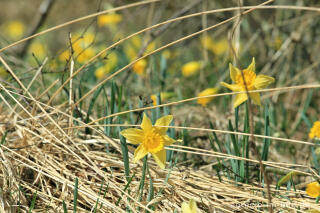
(159, 106)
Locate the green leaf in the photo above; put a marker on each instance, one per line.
(286, 178)
(64, 205)
(125, 155)
(75, 196)
(33, 202)
(125, 188)
(266, 142)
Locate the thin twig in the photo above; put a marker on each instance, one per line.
(44, 10)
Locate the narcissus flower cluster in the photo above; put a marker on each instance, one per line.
(151, 139)
(251, 81)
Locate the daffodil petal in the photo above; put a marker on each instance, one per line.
(262, 81)
(185, 208)
(164, 121)
(233, 87)
(189, 207)
(193, 205)
(160, 158)
(139, 153)
(240, 98)
(255, 96)
(134, 136)
(146, 124)
(252, 66)
(168, 141)
(313, 189)
(233, 72)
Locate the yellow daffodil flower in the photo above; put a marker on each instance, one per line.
(38, 49)
(151, 47)
(3, 73)
(190, 207)
(100, 73)
(220, 47)
(110, 64)
(132, 49)
(15, 29)
(81, 45)
(140, 66)
(208, 91)
(65, 55)
(108, 19)
(82, 41)
(315, 130)
(313, 189)
(163, 96)
(167, 54)
(131, 52)
(85, 55)
(253, 82)
(151, 139)
(191, 68)
(136, 42)
(216, 47)
(206, 42)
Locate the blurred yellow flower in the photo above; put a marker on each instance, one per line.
(110, 63)
(140, 66)
(220, 47)
(85, 55)
(191, 68)
(151, 47)
(190, 207)
(136, 42)
(65, 55)
(216, 47)
(130, 52)
(163, 96)
(81, 55)
(315, 130)
(108, 19)
(151, 139)
(80, 42)
(100, 73)
(38, 49)
(134, 47)
(206, 42)
(82, 47)
(253, 82)
(208, 91)
(313, 189)
(167, 54)
(15, 29)
(3, 73)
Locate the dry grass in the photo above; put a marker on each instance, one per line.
(34, 160)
